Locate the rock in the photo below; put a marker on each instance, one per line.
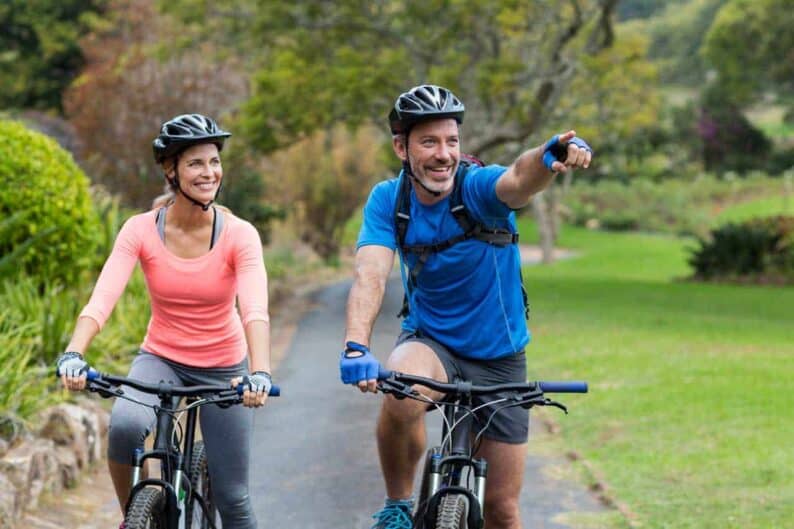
(32, 468)
(81, 428)
(8, 504)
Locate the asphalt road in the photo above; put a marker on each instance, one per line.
(315, 463)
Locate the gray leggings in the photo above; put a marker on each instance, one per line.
(226, 432)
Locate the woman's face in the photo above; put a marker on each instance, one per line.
(200, 171)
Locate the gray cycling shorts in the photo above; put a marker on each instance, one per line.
(510, 425)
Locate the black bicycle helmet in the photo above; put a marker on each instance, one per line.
(183, 131)
(422, 103)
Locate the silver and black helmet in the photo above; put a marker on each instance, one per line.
(423, 103)
(184, 131)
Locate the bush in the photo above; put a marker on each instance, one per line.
(679, 206)
(759, 249)
(48, 220)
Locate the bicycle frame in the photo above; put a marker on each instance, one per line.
(444, 469)
(446, 464)
(172, 458)
(175, 479)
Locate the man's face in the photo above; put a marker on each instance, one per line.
(433, 152)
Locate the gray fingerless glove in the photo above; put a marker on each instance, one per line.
(71, 364)
(259, 381)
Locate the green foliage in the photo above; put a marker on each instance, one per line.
(681, 206)
(676, 35)
(244, 192)
(48, 312)
(348, 60)
(22, 392)
(630, 9)
(332, 173)
(751, 46)
(616, 105)
(39, 51)
(45, 196)
(758, 249)
(728, 141)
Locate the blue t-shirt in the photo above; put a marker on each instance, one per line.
(467, 297)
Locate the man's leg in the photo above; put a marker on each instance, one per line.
(505, 473)
(401, 426)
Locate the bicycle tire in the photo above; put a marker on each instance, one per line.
(421, 504)
(200, 483)
(147, 510)
(453, 510)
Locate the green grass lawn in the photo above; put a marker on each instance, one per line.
(690, 418)
(762, 207)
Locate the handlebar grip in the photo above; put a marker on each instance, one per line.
(92, 374)
(564, 387)
(384, 373)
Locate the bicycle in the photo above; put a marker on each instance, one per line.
(448, 499)
(182, 496)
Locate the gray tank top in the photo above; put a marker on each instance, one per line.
(217, 225)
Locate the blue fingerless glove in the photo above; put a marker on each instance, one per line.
(71, 364)
(357, 363)
(556, 151)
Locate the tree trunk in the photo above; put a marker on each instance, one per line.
(545, 226)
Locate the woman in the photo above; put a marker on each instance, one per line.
(196, 258)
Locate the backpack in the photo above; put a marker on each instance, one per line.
(472, 229)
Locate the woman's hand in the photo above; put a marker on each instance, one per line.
(72, 369)
(258, 387)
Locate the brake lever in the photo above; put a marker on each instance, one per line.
(400, 390)
(105, 389)
(549, 402)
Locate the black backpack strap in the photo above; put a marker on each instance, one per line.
(471, 228)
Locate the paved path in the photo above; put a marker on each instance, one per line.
(317, 465)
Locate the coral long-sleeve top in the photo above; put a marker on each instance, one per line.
(194, 320)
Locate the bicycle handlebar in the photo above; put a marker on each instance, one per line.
(169, 388)
(467, 387)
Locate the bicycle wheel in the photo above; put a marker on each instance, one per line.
(453, 510)
(200, 484)
(147, 510)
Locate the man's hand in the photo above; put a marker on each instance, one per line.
(566, 150)
(358, 366)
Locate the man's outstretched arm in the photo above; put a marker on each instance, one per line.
(530, 174)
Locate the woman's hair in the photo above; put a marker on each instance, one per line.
(169, 192)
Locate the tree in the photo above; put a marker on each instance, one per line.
(132, 83)
(40, 54)
(751, 46)
(329, 176)
(347, 61)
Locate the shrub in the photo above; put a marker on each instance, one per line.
(46, 194)
(759, 249)
(680, 206)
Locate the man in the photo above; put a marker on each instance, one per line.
(465, 304)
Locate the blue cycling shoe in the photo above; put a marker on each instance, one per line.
(394, 515)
